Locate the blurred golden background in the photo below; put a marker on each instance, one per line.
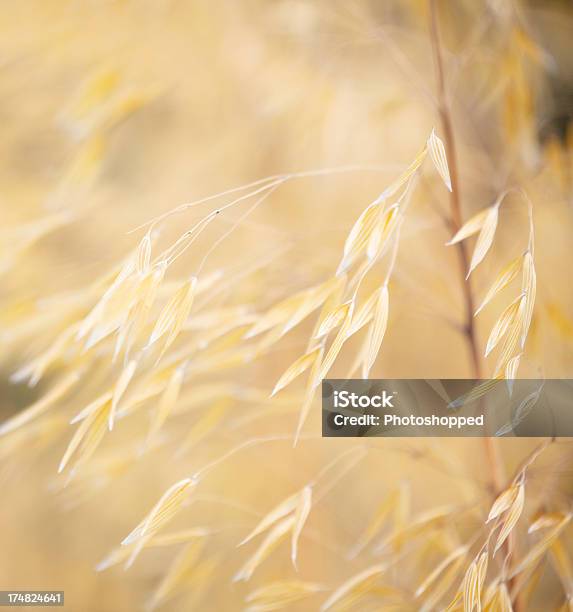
(117, 112)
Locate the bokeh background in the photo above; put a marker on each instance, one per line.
(114, 112)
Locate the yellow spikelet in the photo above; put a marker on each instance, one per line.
(500, 600)
(503, 502)
(511, 342)
(166, 402)
(377, 329)
(277, 595)
(478, 391)
(438, 155)
(177, 573)
(384, 230)
(359, 237)
(163, 511)
(513, 513)
(485, 238)
(206, 424)
(529, 287)
(502, 324)
(286, 507)
(297, 368)
(525, 407)
(503, 279)
(405, 176)
(122, 553)
(120, 388)
(355, 587)
(364, 313)
(456, 555)
(269, 543)
(471, 227)
(376, 523)
(88, 435)
(309, 394)
(511, 371)
(336, 346)
(333, 319)
(300, 515)
(173, 316)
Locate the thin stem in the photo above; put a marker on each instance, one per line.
(490, 444)
(455, 197)
(267, 183)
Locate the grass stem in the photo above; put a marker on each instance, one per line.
(491, 450)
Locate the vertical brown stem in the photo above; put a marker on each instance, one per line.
(455, 196)
(490, 444)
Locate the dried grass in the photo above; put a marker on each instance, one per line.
(175, 358)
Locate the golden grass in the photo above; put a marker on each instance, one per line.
(165, 348)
